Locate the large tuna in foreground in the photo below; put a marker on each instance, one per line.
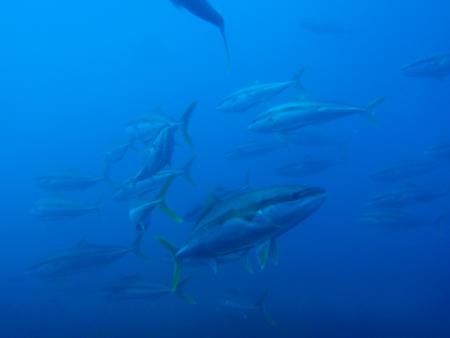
(248, 220)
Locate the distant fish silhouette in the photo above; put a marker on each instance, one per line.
(323, 28)
(205, 11)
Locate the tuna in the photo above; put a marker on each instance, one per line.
(141, 210)
(405, 171)
(406, 197)
(437, 67)
(67, 183)
(83, 257)
(131, 190)
(246, 221)
(159, 156)
(136, 288)
(205, 11)
(244, 306)
(58, 209)
(147, 128)
(249, 97)
(297, 115)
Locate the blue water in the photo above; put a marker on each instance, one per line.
(73, 74)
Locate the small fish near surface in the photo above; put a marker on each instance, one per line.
(406, 170)
(246, 221)
(83, 257)
(248, 98)
(205, 11)
(437, 67)
(307, 167)
(136, 288)
(297, 115)
(67, 183)
(58, 209)
(244, 306)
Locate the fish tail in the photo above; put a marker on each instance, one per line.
(371, 107)
(185, 120)
(187, 171)
(297, 80)
(227, 48)
(136, 246)
(177, 262)
(261, 305)
(161, 198)
(179, 291)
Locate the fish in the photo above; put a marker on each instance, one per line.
(202, 9)
(441, 151)
(131, 190)
(59, 209)
(159, 156)
(83, 257)
(405, 171)
(136, 288)
(141, 210)
(145, 129)
(407, 197)
(246, 221)
(297, 115)
(306, 167)
(239, 304)
(253, 149)
(218, 194)
(323, 28)
(392, 217)
(247, 98)
(67, 183)
(437, 67)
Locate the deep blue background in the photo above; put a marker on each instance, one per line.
(72, 74)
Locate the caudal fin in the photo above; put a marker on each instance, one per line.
(177, 263)
(162, 203)
(371, 107)
(227, 48)
(297, 79)
(261, 305)
(185, 120)
(187, 171)
(137, 244)
(179, 291)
